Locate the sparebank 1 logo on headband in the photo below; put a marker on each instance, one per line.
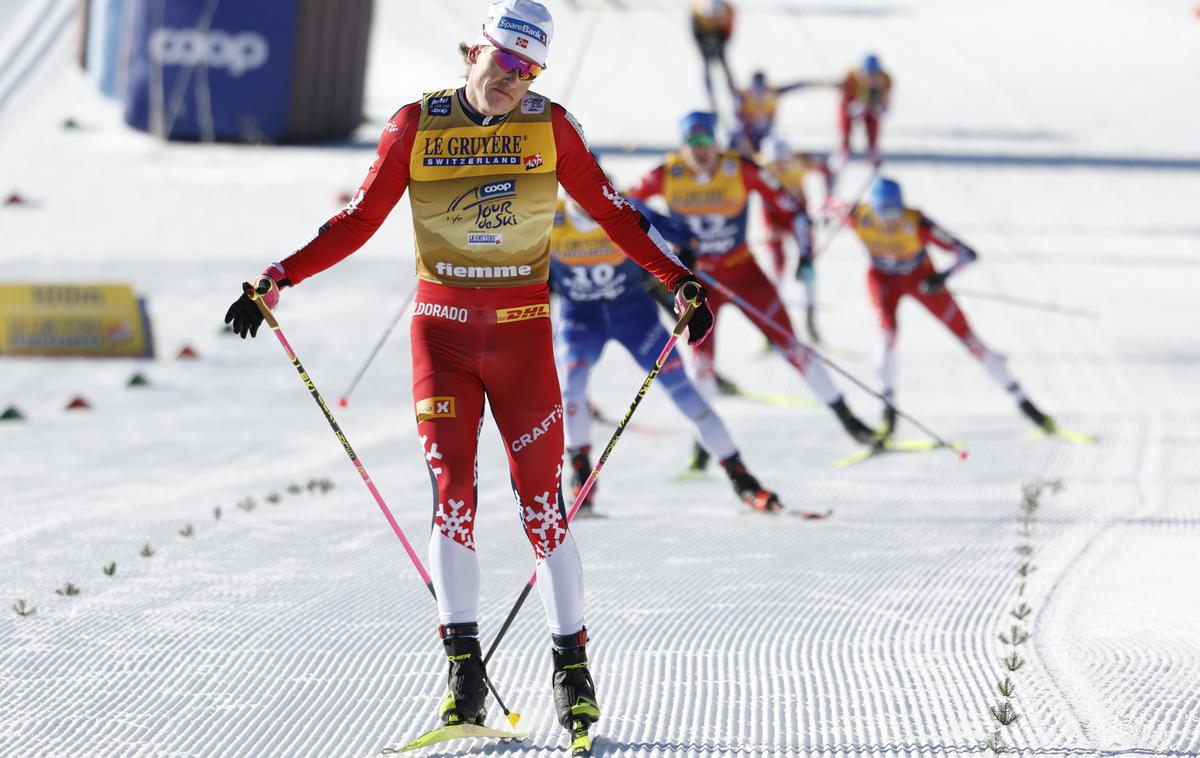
(235, 53)
(510, 24)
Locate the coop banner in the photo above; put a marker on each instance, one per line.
(73, 319)
(228, 76)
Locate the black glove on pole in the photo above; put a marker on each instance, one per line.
(689, 291)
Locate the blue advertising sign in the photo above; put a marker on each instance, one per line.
(230, 78)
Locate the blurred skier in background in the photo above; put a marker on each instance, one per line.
(604, 297)
(756, 108)
(482, 165)
(709, 190)
(712, 28)
(896, 237)
(790, 169)
(866, 96)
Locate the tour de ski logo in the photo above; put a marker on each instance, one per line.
(489, 205)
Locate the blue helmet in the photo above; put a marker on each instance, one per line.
(884, 197)
(699, 128)
(871, 64)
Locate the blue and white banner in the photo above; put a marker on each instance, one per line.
(229, 78)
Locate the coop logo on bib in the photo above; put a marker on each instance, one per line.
(435, 407)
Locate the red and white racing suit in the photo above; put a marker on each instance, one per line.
(899, 263)
(483, 193)
(716, 209)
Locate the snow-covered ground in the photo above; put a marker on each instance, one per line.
(1058, 138)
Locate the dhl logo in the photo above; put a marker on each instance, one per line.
(512, 315)
(435, 407)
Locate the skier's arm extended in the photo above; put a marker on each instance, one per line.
(383, 187)
(587, 183)
(344, 233)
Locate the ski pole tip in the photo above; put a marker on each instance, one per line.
(964, 455)
(343, 402)
(513, 717)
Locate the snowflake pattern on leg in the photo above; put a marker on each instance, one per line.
(544, 523)
(455, 522)
(432, 454)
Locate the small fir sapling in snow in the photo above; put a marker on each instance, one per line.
(1005, 713)
(1013, 662)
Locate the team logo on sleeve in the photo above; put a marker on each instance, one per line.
(435, 407)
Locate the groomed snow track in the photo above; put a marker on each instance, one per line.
(299, 628)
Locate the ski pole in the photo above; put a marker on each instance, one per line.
(796, 343)
(591, 480)
(256, 296)
(1022, 303)
(842, 221)
(344, 400)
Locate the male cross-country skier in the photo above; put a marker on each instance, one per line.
(866, 95)
(709, 190)
(756, 107)
(790, 169)
(712, 28)
(482, 165)
(603, 297)
(896, 238)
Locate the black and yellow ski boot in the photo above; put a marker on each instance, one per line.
(1034, 414)
(857, 430)
(574, 691)
(466, 701)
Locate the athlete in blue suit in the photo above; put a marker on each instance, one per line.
(603, 297)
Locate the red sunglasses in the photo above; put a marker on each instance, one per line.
(526, 70)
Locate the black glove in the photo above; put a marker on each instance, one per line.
(934, 283)
(244, 315)
(689, 291)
